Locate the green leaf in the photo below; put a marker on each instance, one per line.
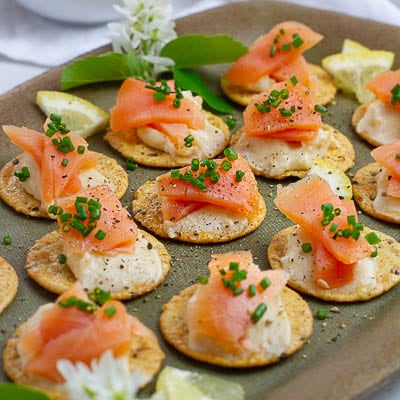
(191, 80)
(194, 50)
(10, 391)
(103, 68)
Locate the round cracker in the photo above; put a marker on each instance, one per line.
(357, 116)
(364, 192)
(387, 275)
(175, 331)
(43, 267)
(146, 209)
(145, 353)
(13, 193)
(325, 88)
(8, 284)
(129, 145)
(342, 155)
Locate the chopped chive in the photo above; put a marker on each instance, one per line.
(397, 156)
(80, 149)
(231, 122)
(85, 306)
(188, 140)
(297, 41)
(294, 80)
(265, 283)
(55, 118)
(110, 311)
(320, 109)
(175, 173)
(333, 228)
(258, 312)
(374, 253)
(222, 271)
(321, 313)
(351, 220)
(272, 51)
(237, 291)
(64, 162)
(130, 164)
(68, 302)
(226, 165)
(240, 275)
(234, 266)
(54, 210)
(203, 279)
(252, 290)
(7, 240)
(284, 93)
(100, 234)
(286, 46)
(99, 295)
(159, 96)
(372, 238)
(239, 176)
(195, 164)
(285, 113)
(306, 247)
(215, 176)
(395, 94)
(230, 154)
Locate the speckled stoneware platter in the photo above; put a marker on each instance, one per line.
(351, 354)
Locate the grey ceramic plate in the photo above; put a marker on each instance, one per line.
(359, 348)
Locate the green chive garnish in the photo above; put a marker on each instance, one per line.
(80, 149)
(100, 235)
(62, 258)
(321, 313)
(130, 164)
(294, 80)
(231, 122)
(7, 240)
(230, 154)
(99, 296)
(239, 176)
(372, 238)
(110, 311)
(202, 279)
(233, 266)
(320, 109)
(258, 312)
(265, 283)
(64, 162)
(306, 247)
(252, 290)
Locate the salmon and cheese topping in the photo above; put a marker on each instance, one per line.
(387, 200)
(209, 195)
(102, 245)
(237, 310)
(328, 243)
(166, 119)
(275, 57)
(54, 164)
(378, 121)
(283, 130)
(68, 328)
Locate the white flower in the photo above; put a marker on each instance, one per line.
(146, 29)
(108, 378)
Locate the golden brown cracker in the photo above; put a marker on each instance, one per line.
(174, 330)
(8, 284)
(130, 145)
(43, 266)
(324, 94)
(341, 155)
(146, 209)
(13, 193)
(145, 354)
(387, 274)
(365, 190)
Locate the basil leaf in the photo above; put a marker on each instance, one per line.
(194, 50)
(191, 80)
(103, 68)
(10, 391)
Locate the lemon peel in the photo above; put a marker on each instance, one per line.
(80, 116)
(338, 181)
(355, 65)
(174, 383)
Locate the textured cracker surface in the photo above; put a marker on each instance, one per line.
(325, 93)
(8, 284)
(130, 145)
(175, 332)
(43, 267)
(12, 192)
(387, 274)
(145, 353)
(342, 156)
(146, 209)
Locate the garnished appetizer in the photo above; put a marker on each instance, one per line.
(378, 121)
(8, 284)
(377, 185)
(275, 57)
(239, 316)
(77, 328)
(162, 126)
(283, 132)
(56, 163)
(99, 245)
(209, 201)
(329, 254)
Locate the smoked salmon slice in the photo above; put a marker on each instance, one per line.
(180, 197)
(120, 231)
(281, 111)
(136, 106)
(269, 53)
(218, 318)
(386, 87)
(388, 155)
(302, 203)
(59, 170)
(67, 332)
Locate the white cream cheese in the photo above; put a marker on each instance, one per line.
(380, 123)
(206, 142)
(275, 157)
(383, 203)
(262, 84)
(300, 265)
(89, 178)
(114, 273)
(209, 219)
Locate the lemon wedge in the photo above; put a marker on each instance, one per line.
(174, 383)
(355, 65)
(336, 179)
(80, 116)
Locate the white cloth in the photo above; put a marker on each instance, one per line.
(27, 37)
